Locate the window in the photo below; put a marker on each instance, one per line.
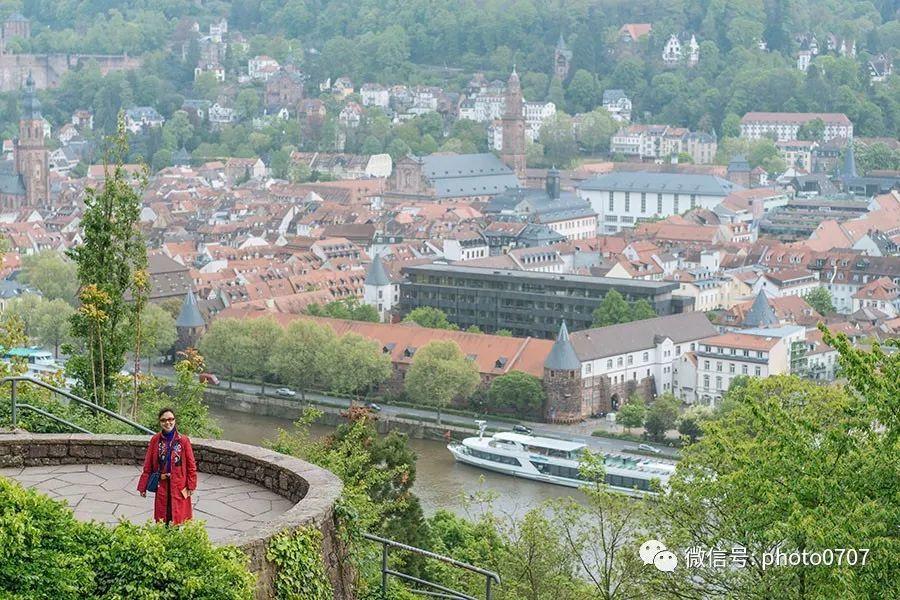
(609, 364)
(757, 371)
(643, 202)
(646, 356)
(659, 203)
(706, 365)
(731, 367)
(619, 362)
(719, 366)
(693, 200)
(630, 359)
(677, 350)
(743, 369)
(587, 368)
(611, 203)
(692, 346)
(718, 382)
(706, 382)
(675, 205)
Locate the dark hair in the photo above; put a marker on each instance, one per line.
(164, 411)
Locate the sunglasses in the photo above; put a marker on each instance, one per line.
(172, 420)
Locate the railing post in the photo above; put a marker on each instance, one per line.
(487, 589)
(384, 570)
(13, 396)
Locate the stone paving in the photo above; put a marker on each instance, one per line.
(108, 493)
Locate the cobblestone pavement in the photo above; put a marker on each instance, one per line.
(108, 493)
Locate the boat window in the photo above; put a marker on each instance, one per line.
(497, 458)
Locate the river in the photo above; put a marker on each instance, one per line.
(441, 482)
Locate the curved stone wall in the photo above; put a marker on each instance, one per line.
(312, 489)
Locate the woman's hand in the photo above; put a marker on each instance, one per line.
(143, 494)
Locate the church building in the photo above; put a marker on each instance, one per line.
(25, 181)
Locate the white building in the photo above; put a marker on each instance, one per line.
(803, 60)
(617, 104)
(379, 290)
(752, 352)
(790, 282)
(374, 94)
(880, 294)
(674, 50)
(784, 126)
(142, 117)
(221, 114)
(262, 67)
(624, 199)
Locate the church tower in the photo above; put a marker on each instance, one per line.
(32, 159)
(513, 152)
(562, 59)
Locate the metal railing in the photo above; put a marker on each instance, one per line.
(13, 381)
(441, 591)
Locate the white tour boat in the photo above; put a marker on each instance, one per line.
(555, 461)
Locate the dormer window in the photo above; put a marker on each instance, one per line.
(501, 362)
(409, 351)
(388, 348)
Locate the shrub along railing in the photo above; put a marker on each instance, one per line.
(437, 590)
(16, 406)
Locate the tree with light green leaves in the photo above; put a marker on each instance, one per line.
(642, 309)
(52, 324)
(52, 274)
(821, 301)
(356, 365)
(300, 356)
(520, 392)
(439, 374)
(263, 336)
(226, 348)
(427, 316)
(662, 415)
(158, 333)
(797, 466)
(632, 414)
(612, 310)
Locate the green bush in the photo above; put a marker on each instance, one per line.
(47, 553)
(301, 573)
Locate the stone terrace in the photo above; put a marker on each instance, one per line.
(247, 495)
(108, 493)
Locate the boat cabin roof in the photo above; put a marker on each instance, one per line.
(543, 442)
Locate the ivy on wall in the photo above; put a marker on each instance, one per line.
(301, 571)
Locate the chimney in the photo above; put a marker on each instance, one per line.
(552, 184)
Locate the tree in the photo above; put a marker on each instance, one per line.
(613, 309)
(812, 131)
(263, 336)
(558, 139)
(870, 157)
(642, 309)
(503, 333)
(300, 356)
(51, 274)
(347, 308)
(473, 329)
(798, 466)
(177, 131)
(356, 365)
(583, 92)
(661, 416)
(820, 300)
(690, 424)
(632, 414)
(595, 130)
(157, 331)
(185, 397)
(517, 391)
(112, 252)
(439, 374)
(427, 316)
(226, 348)
(247, 104)
(53, 323)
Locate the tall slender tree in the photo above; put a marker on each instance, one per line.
(112, 252)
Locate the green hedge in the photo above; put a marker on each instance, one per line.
(46, 553)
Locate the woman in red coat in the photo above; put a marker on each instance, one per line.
(171, 454)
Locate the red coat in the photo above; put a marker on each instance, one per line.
(184, 475)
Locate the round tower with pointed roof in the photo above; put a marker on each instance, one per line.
(379, 290)
(190, 324)
(562, 381)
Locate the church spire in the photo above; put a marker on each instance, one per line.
(31, 106)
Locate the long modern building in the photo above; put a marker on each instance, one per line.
(526, 303)
(626, 198)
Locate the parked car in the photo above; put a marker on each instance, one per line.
(649, 448)
(373, 407)
(523, 429)
(285, 392)
(208, 379)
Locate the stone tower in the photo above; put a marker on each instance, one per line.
(378, 290)
(513, 152)
(562, 59)
(189, 324)
(562, 381)
(32, 159)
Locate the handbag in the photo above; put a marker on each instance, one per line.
(153, 480)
